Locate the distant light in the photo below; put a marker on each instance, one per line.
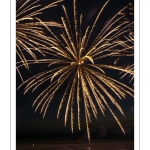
(33, 144)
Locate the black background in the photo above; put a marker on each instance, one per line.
(32, 125)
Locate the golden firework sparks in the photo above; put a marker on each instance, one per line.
(128, 43)
(75, 60)
(131, 72)
(30, 36)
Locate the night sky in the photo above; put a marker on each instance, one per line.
(30, 123)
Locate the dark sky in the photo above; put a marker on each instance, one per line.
(28, 122)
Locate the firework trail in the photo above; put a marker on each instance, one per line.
(72, 58)
(131, 75)
(128, 42)
(130, 67)
(30, 36)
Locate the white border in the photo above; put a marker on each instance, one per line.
(5, 75)
(136, 77)
(144, 75)
(13, 75)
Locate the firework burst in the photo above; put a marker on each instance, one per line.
(128, 43)
(73, 59)
(30, 36)
(130, 67)
(131, 75)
